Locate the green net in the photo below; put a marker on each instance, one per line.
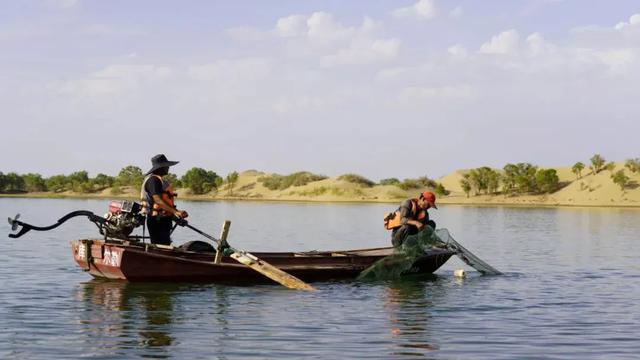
(403, 257)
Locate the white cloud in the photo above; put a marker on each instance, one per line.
(321, 27)
(22, 32)
(537, 45)
(292, 25)
(226, 70)
(422, 10)
(121, 82)
(506, 43)
(304, 104)
(633, 21)
(617, 60)
(457, 51)
(364, 52)
(319, 35)
(416, 95)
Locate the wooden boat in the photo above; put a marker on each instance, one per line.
(135, 261)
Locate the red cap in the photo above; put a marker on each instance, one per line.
(430, 198)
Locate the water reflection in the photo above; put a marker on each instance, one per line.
(121, 315)
(407, 305)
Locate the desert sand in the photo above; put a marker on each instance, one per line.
(589, 190)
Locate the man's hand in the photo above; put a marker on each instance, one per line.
(415, 223)
(181, 214)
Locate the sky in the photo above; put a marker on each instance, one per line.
(378, 88)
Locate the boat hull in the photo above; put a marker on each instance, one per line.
(136, 262)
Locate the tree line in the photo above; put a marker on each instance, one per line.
(521, 178)
(598, 164)
(525, 178)
(513, 179)
(281, 182)
(197, 180)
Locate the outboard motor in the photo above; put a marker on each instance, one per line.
(123, 217)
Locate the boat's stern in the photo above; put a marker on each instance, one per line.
(99, 259)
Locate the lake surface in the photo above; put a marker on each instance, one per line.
(571, 289)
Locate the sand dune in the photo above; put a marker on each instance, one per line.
(589, 190)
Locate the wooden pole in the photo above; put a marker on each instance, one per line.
(223, 241)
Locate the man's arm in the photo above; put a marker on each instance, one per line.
(405, 211)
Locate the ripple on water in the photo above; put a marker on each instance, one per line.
(567, 292)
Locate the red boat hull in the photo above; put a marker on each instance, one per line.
(137, 262)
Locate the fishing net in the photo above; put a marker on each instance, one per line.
(403, 257)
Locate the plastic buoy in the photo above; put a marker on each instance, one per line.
(460, 273)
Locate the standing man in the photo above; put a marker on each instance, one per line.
(410, 217)
(158, 199)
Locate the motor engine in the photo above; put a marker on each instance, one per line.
(123, 217)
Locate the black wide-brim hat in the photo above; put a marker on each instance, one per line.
(160, 161)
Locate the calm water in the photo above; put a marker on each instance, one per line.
(571, 289)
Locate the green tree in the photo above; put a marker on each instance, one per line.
(102, 181)
(418, 183)
(281, 182)
(526, 179)
(509, 178)
(519, 178)
(597, 162)
(389, 181)
(493, 181)
(610, 166)
(130, 176)
(13, 183)
(484, 179)
(56, 183)
(173, 180)
(115, 189)
(577, 169)
(79, 182)
(232, 179)
(547, 180)
(34, 182)
(633, 165)
(620, 179)
(477, 181)
(465, 184)
(200, 181)
(2, 181)
(357, 179)
(440, 190)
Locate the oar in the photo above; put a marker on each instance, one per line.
(256, 264)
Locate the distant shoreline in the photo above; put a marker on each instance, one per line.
(442, 201)
(613, 185)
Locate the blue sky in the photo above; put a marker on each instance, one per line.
(380, 88)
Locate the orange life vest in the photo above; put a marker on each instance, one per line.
(392, 220)
(167, 195)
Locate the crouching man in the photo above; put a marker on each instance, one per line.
(410, 217)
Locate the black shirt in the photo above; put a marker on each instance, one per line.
(153, 186)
